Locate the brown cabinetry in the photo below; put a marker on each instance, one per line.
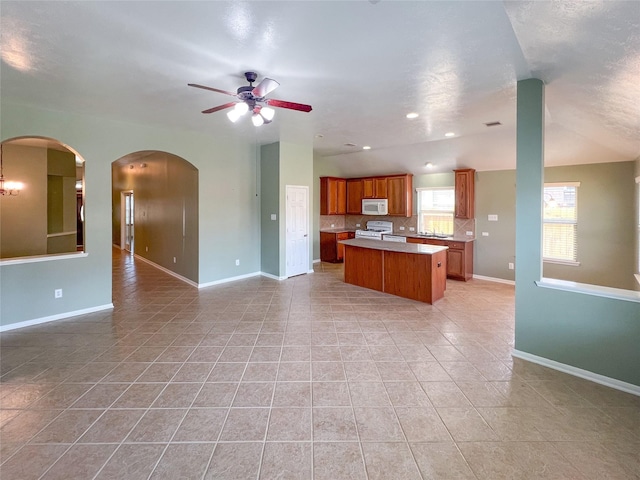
(333, 196)
(354, 196)
(465, 193)
(400, 195)
(459, 256)
(397, 188)
(330, 248)
(375, 187)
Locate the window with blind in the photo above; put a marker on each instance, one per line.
(435, 210)
(560, 222)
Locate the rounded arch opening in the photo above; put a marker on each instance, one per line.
(43, 199)
(155, 210)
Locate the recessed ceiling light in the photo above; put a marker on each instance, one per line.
(412, 115)
(428, 165)
(366, 147)
(449, 134)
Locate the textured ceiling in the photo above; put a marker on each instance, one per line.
(362, 65)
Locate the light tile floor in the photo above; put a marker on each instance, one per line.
(300, 379)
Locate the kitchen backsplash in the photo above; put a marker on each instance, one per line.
(461, 227)
(332, 221)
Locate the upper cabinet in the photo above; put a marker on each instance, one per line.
(400, 195)
(375, 187)
(333, 196)
(339, 196)
(465, 193)
(354, 196)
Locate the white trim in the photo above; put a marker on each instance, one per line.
(557, 261)
(52, 318)
(562, 184)
(42, 258)
(274, 277)
(588, 289)
(227, 280)
(62, 234)
(166, 270)
(311, 271)
(494, 279)
(578, 372)
(316, 260)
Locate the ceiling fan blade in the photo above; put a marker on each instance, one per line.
(265, 87)
(219, 107)
(290, 105)
(212, 89)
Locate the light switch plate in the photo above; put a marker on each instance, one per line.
(273, 216)
(485, 234)
(492, 218)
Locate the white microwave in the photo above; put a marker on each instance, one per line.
(375, 206)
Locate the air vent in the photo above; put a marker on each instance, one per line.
(349, 144)
(493, 124)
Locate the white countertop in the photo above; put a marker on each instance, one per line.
(394, 246)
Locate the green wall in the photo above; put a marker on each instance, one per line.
(228, 216)
(282, 164)
(270, 204)
(588, 332)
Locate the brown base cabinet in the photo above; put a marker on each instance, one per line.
(330, 249)
(459, 257)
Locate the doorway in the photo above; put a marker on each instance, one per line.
(127, 227)
(297, 226)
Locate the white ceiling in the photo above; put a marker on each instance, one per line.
(363, 65)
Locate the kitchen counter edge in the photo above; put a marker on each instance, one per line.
(418, 248)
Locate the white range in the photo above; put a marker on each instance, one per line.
(375, 230)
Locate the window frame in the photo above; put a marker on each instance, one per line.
(420, 211)
(563, 221)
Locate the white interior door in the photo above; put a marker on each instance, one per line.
(126, 221)
(297, 224)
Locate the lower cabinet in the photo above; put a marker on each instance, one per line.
(330, 249)
(459, 257)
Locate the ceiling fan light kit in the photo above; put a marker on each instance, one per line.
(253, 99)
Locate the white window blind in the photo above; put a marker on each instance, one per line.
(560, 224)
(435, 210)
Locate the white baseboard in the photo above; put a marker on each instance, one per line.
(166, 270)
(53, 318)
(227, 280)
(274, 277)
(494, 279)
(317, 260)
(578, 372)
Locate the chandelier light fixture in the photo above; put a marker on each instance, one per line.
(8, 188)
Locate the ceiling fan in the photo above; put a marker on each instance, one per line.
(253, 99)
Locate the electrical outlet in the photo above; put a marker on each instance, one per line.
(333, 225)
(237, 262)
(485, 234)
(469, 233)
(511, 266)
(411, 229)
(174, 259)
(57, 293)
(492, 218)
(273, 216)
(401, 228)
(357, 224)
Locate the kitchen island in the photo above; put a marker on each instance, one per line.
(408, 270)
